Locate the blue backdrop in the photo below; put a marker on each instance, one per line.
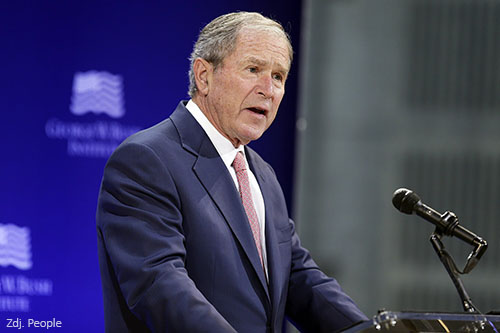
(77, 78)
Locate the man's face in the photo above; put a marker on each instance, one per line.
(245, 91)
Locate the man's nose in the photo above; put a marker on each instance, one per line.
(265, 86)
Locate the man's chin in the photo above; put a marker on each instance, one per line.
(250, 137)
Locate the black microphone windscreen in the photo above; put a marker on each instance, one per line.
(405, 200)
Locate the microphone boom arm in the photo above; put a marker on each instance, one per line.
(452, 270)
(447, 224)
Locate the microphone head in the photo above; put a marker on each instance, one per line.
(405, 200)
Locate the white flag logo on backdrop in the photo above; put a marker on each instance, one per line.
(97, 92)
(15, 246)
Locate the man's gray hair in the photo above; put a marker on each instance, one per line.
(218, 38)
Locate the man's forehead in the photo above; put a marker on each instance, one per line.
(262, 52)
(258, 35)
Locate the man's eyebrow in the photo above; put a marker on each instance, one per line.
(254, 60)
(262, 62)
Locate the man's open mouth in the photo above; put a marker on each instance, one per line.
(258, 110)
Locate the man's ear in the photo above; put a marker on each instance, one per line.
(203, 71)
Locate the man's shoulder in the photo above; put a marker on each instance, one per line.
(163, 138)
(159, 132)
(162, 133)
(258, 163)
(253, 155)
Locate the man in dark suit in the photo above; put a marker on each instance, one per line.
(193, 230)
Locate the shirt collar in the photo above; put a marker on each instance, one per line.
(223, 146)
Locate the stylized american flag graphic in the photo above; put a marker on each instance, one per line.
(15, 246)
(97, 92)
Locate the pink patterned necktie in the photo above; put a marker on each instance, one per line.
(246, 198)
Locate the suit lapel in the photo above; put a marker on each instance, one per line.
(213, 174)
(262, 173)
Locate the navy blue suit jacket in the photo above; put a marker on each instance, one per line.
(176, 251)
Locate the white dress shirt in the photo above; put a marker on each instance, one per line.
(228, 152)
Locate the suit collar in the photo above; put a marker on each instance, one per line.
(190, 132)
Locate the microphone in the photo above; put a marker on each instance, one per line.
(409, 202)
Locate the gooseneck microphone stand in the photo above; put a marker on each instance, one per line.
(452, 270)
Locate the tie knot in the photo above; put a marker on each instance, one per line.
(239, 163)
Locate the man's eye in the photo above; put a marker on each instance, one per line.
(252, 69)
(278, 77)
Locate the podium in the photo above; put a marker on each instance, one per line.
(388, 321)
